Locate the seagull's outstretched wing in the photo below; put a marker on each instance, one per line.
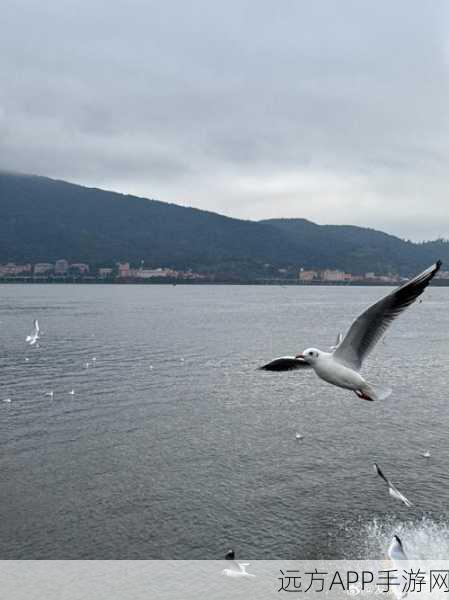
(392, 489)
(368, 328)
(285, 363)
(395, 493)
(379, 472)
(36, 327)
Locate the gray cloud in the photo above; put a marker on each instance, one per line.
(334, 111)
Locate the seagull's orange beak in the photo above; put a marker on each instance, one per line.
(299, 356)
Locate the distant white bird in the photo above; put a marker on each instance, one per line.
(34, 336)
(392, 489)
(426, 454)
(298, 436)
(94, 360)
(50, 393)
(236, 569)
(338, 341)
(8, 400)
(87, 365)
(341, 367)
(72, 392)
(26, 359)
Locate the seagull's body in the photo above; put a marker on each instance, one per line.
(392, 489)
(426, 454)
(34, 336)
(341, 366)
(236, 569)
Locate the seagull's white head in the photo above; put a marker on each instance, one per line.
(310, 356)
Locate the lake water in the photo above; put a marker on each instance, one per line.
(174, 445)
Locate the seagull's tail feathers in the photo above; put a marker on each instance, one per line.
(377, 392)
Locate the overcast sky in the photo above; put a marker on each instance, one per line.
(335, 110)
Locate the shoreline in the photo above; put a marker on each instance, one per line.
(174, 283)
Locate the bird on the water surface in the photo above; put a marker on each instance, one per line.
(341, 366)
(392, 489)
(236, 569)
(34, 336)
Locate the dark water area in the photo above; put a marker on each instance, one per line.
(174, 445)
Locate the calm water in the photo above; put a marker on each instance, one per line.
(175, 446)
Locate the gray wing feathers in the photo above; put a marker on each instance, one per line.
(369, 327)
(285, 363)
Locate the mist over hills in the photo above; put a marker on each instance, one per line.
(42, 220)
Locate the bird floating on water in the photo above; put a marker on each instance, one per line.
(392, 489)
(426, 454)
(34, 336)
(236, 569)
(298, 436)
(341, 366)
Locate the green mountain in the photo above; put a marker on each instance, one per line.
(43, 220)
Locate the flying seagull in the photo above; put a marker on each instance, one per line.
(34, 336)
(236, 569)
(396, 549)
(397, 556)
(341, 366)
(392, 489)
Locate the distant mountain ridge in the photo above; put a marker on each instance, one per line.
(42, 219)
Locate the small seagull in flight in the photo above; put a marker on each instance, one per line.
(34, 336)
(298, 436)
(236, 569)
(72, 392)
(426, 454)
(8, 400)
(392, 489)
(341, 366)
(49, 394)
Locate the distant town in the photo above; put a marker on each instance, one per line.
(122, 272)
